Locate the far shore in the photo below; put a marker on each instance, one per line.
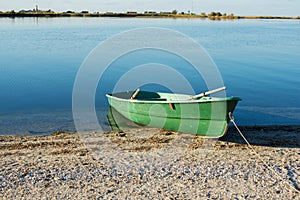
(211, 16)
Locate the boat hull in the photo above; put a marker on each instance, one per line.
(205, 117)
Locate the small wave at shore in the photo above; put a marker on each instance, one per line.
(292, 113)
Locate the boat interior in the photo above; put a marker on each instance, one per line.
(150, 96)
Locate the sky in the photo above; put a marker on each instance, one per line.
(238, 7)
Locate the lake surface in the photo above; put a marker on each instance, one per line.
(259, 61)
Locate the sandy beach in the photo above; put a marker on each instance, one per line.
(152, 164)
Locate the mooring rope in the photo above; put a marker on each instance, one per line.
(261, 159)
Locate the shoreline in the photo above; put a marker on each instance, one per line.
(215, 16)
(263, 128)
(151, 163)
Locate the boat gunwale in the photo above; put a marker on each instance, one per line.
(201, 100)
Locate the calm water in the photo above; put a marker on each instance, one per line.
(259, 61)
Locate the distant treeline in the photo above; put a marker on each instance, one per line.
(172, 14)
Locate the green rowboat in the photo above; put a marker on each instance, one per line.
(200, 115)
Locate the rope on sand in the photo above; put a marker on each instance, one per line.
(261, 159)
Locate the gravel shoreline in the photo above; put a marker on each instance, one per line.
(150, 163)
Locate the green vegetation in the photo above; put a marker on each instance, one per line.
(173, 14)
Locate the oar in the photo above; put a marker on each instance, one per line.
(203, 94)
(135, 93)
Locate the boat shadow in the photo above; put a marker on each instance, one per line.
(283, 136)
